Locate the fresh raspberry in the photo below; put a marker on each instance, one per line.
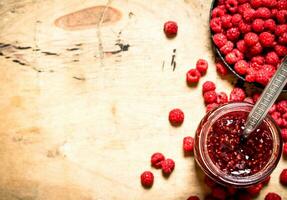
(193, 198)
(226, 21)
(283, 39)
(251, 75)
(272, 58)
(270, 25)
(216, 25)
(222, 98)
(219, 192)
(210, 97)
(220, 3)
(188, 143)
(234, 56)
(219, 39)
(258, 25)
(266, 180)
(263, 13)
(269, 3)
(147, 179)
(283, 177)
(233, 34)
(244, 196)
(284, 150)
(167, 166)
(241, 67)
(236, 19)
(156, 160)
(218, 12)
(266, 39)
(244, 27)
(209, 182)
(251, 39)
(248, 100)
(170, 28)
(284, 134)
(241, 46)
(243, 7)
(176, 117)
(208, 86)
(256, 3)
(254, 190)
(242, 1)
(259, 60)
(227, 48)
(276, 115)
(282, 5)
(272, 196)
(231, 5)
(281, 50)
(237, 94)
(202, 66)
(255, 50)
(280, 29)
(249, 14)
(281, 16)
(284, 116)
(282, 106)
(221, 69)
(283, 125)
(274, 12)
(211, 106)
(272, 109)
(192, 76)
(262, 78)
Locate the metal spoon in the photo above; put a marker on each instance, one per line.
(267, 98)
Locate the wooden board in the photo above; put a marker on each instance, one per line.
(86, 87)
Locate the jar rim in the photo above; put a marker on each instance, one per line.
(231, 179)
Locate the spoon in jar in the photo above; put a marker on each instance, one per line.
(267, 98)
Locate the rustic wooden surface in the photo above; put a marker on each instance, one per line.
(86, 87)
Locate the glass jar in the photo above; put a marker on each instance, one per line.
(214, 162)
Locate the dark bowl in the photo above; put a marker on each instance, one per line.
(221, 57)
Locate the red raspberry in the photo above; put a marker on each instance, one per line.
(255, 50)
(262, 78)
(211, 106)
(282, 5)
(231, 5)
(209, 182)
(272, 196)
(156, 160)
(241, 46)
(248, 100)
(221, 69)
(282, 106)
(219, 192)
(233, 34)
(251, 39)
(263, 13)
(236, 19)
(270, 25)
(281, 50)
(284, 150)
(227, 48)
(192, 76)
(208, 86)
(251, 75)
(256, 3)
(237, 94)
(276, 115)
(280, 29)
(258, 25)
(170, 28)
(283, 39)
(220, 3)
(274, 12)
(283, 177)
(222, 98)
(284, 134)
(281, 16)
(272, 58)
(234, 56)
(219, 39)
(216, 25)
(176, 117)
(188, 143)
(244, 28)
(243, 7)
(249, 14)
(167, 166)
(266, 39)
(202, 66)
(272, 109)
(226, 21)
(266, 180)
(285, 116)
(241, 67)
(147, 179)
(193, 198)
(242, 1)
(269, 3)
(257, 62)
(254, 190)
(210, 97)
(218, 12)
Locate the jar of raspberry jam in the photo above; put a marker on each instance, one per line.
(229, 159)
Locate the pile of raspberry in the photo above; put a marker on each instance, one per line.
(251, 35)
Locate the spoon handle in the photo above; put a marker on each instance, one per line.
(267, 98)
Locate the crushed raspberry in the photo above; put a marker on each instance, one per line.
(282, 106)
(217, 12)
(216, 25)
(284, 134)
(221, 69)
(188, 143)
(176, 117)
(227, 48)
(167, 166)
(281, 50)
(208, 86)
(251, 39)
(249, 100)
(283, 177)
(270, 25)
(266, 181)
(231, 5)
(193, 198)
(202, 66)
(226, 21)
(147, 179)
(272, 58)
(258, 25)
(249, 14)
(263, 13)
(219, 39)
(254, 190)
(284, 149)
(211, 106)
(170, 28)
(219, 192)
(255, 50)
(210, 97)
(209, 182)
(280, 29)
(241, 67)
(222, 98)
(236, 19)
(233, 34)
(244, 28)
(156, 160)
(192, 76)
(272, 196)
(237, 94)
(266, 39)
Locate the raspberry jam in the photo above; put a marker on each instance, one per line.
(229, 159)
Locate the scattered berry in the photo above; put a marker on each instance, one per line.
(193, 198)
(147, 179)
(176, 117)
(192, 76)
(167, 166)
(283, 177)
(210, 97)
(221, 69)
(237, 94)
(188, 143)
(272, 196)
(156, 160)
(202, 66)
(170, 28)
(254, 190)
(211, 106)
(208, 86)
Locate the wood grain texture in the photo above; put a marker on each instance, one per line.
(84, 102)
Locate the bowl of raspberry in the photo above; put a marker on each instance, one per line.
(250, 37)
